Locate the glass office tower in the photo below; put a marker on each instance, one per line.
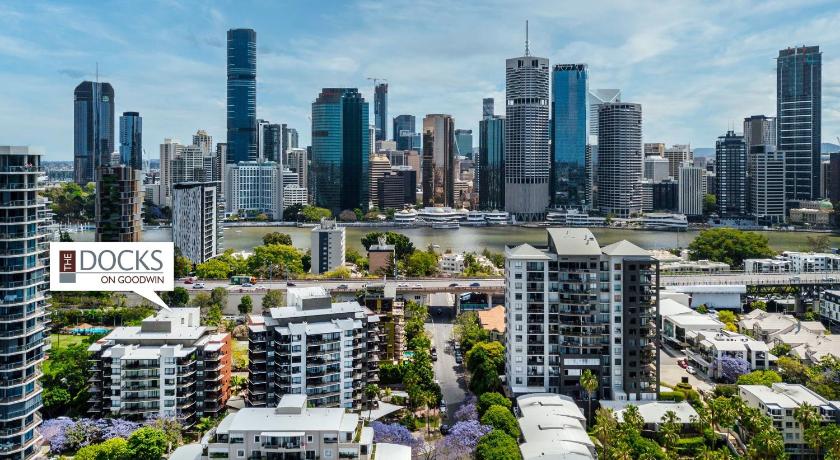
(380, 111)
(404, 129)
(340, 150)
(568, 136)
(491, 162)
(241, 95)
(93, 129)
(131, 140)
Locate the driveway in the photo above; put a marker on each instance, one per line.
(671, 373)
(449, 374)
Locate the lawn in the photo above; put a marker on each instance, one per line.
(60, 341)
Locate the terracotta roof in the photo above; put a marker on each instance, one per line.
(493, 319)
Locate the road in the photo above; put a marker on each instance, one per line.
(449, 374)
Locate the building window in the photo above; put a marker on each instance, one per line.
(240, 453)
(256, 439)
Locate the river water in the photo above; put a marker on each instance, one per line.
(475, 238)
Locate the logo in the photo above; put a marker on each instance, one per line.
(142, 268)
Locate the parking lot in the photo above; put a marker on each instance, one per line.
(671, 373)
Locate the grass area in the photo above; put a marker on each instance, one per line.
(60, 341)
(240, 355)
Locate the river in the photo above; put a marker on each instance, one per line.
(476, 238)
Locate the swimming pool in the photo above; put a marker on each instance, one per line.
(89, 330)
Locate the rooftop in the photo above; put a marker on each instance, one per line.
(653, 411)
(290, 415)
(552, 426)
(573, 241)
(493, 319)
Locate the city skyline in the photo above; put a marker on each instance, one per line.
(683, 81)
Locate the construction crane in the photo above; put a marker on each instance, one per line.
(376, 79)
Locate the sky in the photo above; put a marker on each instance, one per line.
(697, 68)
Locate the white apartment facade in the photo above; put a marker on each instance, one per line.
(254, 187)
(692, 186)
(708, 348)
(328, 242)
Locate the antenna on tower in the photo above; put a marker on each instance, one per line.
(527, 50)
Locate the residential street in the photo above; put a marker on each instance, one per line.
(447, 372)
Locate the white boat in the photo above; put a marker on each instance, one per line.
(405, 216)
(446, 226)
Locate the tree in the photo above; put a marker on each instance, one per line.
(462, 439)
(759, 305)
(726, 316)
(491, 398)
(182, 265)
(179, 297)
(273, 298)
(65, 237)
(497, 258)
(214, 316)
(485, 376)
(632, 421)
(468, 331)
(421, 263)
(219, 296)
(314, 214)
(277, 238)
(589, 383)
(766, 378)
(394, 433)
(497, 445)
(371, 393)
(291, 213)
(213, 269)
(670, 432)
(501, 418)
(112, 449)
(604, 430)
(246, 305)
(352, 256)
(493, 351)
(147, 443)
(202, 300)
(819, 243)
(348, 216)
(732, 368)
(403, 247)
(274, 260)
(729, 245)
(809, 417)
(709, 203)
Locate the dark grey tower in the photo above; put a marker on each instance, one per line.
(380, 111)
(93, 137)
(731, 164)
(241, 95)
(131, 140)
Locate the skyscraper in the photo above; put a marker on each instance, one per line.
(169, 151)
(570, 88)
(380, 111)
(131, 140)
(487, 107)
(196, 220)
(270, 143)
(595, 98)
(620, 161)
(527, 157)
(340, 150)
(731, 162)
(799, 120)
(759, 130)
(464, 142)
(23, 288)
(93, 134)
(677, 155)
(439, 165)
(491, 159)
(203, 141)
(692, 185)
(241, 95)
(118, 204)
(404, 130)
(767, 187)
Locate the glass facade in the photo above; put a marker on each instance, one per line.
(380, 111)
(340, 150)
(23, 299)
(93, 129)
(491, 163)
(131, 140)
(241, 95)
(731, 165)
(798, 122)
(464, 142)
(568, 136)
(404, 128)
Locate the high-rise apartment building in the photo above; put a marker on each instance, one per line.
(677, 155)
(380, 166)
(188, 165)
(731, 161)
(620, 160)
(24, 267)
(759, 130)
(404, 129)
(93, 129)
(572, 305)
(203, 141)
(692, 187)
(131, 140)
(595, 98)
(439, 162)
(656, 168)
(270, 141)
(380, 111)
(397, 188)
(328, 244)
(241, 95)
(381, 299)
(196, 220)
(654, 149)
(170, 366)
(324, 350)
(169, 150)
(341, 147)
(527, 156)
(464, 143)
(569, 91)
(289, 140)
(253, 188)
(799, 119)
(491, 159)
(488, 107)
(767, 185)
(119, 204)
(298, 161)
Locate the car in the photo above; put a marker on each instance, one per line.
(434, 349)
(458, 359)
(247, 285)
(290, 284)
(453, 285)
(188, 281)
(442, 406)
(444, 429)
(434, 357)
(418, 285)
(342, 286)
(476, 284)
(198, 286)
(402, 285)
(691, 370)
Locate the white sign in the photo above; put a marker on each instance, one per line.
(142, 268)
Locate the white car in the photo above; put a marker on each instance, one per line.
(691, 370)
(198, 286)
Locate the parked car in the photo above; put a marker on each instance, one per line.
(198, 286)
(458, 359)
(418, 285)
(402, 285)
(188, 281)
(475, 284)
(342, 286)
(444, 429)
(691, 370)
(247, 285)
(442, 406)
(434, 356)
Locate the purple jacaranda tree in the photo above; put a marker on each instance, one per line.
(67, 435)
(394, 433)
(467, 411)
(732, 368)
(461, 440)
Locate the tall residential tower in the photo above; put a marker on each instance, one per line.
(241, 95)
(93, 130)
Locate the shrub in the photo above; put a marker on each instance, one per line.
(497, 445)
(501, 418)
(725, 390)
(490, 399)
(676, 396)
(690, 446)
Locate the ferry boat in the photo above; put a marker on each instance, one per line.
(446, 225)
(475, 218)
(440, 214)
(405, 217)
(496, 217)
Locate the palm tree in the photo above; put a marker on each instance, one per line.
(632, 421)
(371, 392)
(589, 382)
(604, 429)
(809, 417)
(670, 430)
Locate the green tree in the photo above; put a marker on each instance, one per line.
(493, 351)
(213, 269)
(589, 383)
(273, 298)
(219, 296)
(214, 316)
(371, 393)
(147, 443)
(246, 305)
(112, 449)
(352, 256)
(179, 297)
(275, 260)
(491, 398)
(314, 214)
(766, 378)
(605, 429)
(709, 203)
(277, 238)
(497, 445)
(403, 247)
(182, 266)
(497, 258)
(669, 430)
(819, 243)
(729, 245)
(501, 418)
(468, 331)
(809, 417)
(485, 376)
(65, 237)
(759, 305)
(421, 263)
(237, 264)
(727, 317)
(291, 213)
(201, 300)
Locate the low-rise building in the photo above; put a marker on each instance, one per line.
(774, 265)
(451, 263)
(829, 309)
(314, 347)
(810, 262)
(381, 258)
(708, 348)
(767, 326)
(693, 266)
(817, 214)
(493, 321)
(169, 366)
(553, 427)
(680, 321)
(721, 296)
(779, 402)
(652, 412)
(295, 194)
